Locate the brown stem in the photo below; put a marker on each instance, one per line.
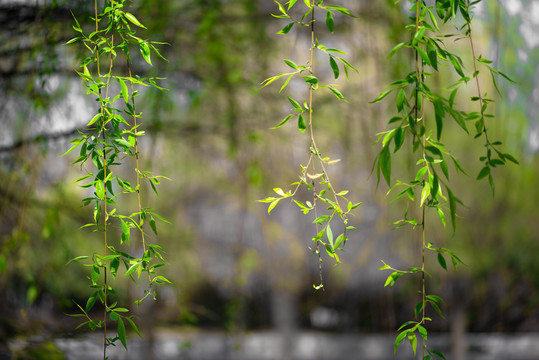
(137, 165)
(313, 143)
(425, 177)
(105, 176)
(478, 86)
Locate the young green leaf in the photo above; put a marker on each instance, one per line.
(313, 80)
(145, 51)
(441, 261)
(334, 67)
(336, 92)
(385, 164)
(302, 126)
(134, 20)
(286, 29)
(292, 64)
(285, 120)
(121, 332)
(329, 21)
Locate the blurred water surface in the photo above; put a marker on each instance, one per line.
(270, 345)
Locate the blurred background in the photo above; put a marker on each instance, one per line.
(243, 279)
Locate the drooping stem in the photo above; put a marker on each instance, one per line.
(313, 143)
(420, 79)
(479, 96)
(137, 169)
(102, 111)
(311, 128)
(104, 115)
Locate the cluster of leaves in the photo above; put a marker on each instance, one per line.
(314, 172)
(108, 141)
(429, 187)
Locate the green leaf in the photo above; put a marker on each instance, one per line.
(121, 332)
(302, 126)
(75, 39)
(491, 183)
(432, 54)
(124, 91)
(438, 353)
(340, 9)
(122, 142)
(405, 325)
(339, 240)
(95, 274)
(391, 279)
(459, 119)
(134, 20)
(399, 339)
(99, 189)
(291, 3)
(94, 119)
(400, 135)
(97, 211)
(452, 97)
(441, 261)
(382, 95)
(295, 104)
(439, 115)
(413, 341)
(441, 215)
(161, 280)
(133, 326)
(347, 65)
(145, 51)
(385, 164)
(421, 172)
(334, 67)
(273, 204)
(457, 165)
(422, 331)
(483, 173)
(452, 207)
(329, 21)
(336, 92)
(283, 122)
(401, 98)
(329, 234)
(423, 55)
(436, 308)
(125, 231)
(114, 264)
(313, 80)
(78, 258)
(511, 158)
(425, 193)
(418, 36)
(152, 224)
(292, 64)
(433, 20)
(436, 299)
(286, 29)
(456, 64)
(132, 268)
(320, 220)
(91, 301)
(417, 309)
(337, 51)
(395, 49)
